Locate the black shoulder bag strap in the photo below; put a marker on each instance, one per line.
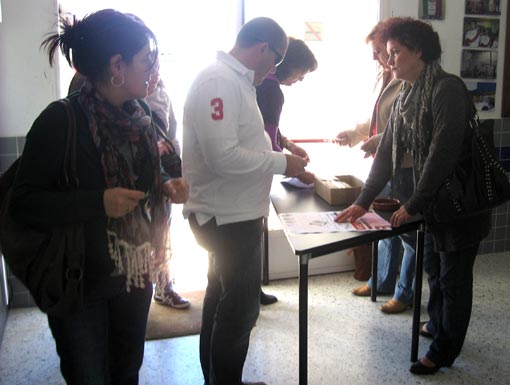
(74, 271)
(69, 167)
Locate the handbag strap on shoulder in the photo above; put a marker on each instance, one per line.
(69, 167)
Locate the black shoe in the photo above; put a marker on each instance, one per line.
(424, 333)
(267, 299)
(419, 368)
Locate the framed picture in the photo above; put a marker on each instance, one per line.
(483, 94)
(483, 7)
(479, 64)
(480, 33)
(432, 9)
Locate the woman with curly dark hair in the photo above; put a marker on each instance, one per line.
(430, 119)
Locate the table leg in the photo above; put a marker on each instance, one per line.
(375, 258)
(303, 318)
(418, 277)
(265, 259)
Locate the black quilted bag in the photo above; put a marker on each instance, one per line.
(478, 184)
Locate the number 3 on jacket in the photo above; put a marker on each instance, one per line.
(217, 105)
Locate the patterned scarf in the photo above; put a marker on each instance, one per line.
(409, 132)
(127, 143)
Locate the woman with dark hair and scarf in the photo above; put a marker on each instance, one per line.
(120, 199)
(429, 119)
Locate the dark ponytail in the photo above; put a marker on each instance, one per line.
(89, 44)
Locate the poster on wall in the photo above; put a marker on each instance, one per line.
(432, 9)
(313, 31)
(483, 7)
(483, 94)
(480, 33)
(478, 64)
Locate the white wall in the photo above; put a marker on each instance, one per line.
(450, 32)
(28, 83)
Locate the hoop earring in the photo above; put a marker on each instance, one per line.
(117, 85)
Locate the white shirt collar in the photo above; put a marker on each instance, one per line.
(236, 65)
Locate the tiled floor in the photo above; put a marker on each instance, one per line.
(350, 341)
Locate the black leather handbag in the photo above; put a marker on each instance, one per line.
(48, 261)
(478, 184)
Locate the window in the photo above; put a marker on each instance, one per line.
(189, 33)
(339, 93)
(331, 99)
(335, 96)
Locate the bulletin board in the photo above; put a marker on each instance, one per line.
(480, 55)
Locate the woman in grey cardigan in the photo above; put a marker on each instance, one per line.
(429, 119)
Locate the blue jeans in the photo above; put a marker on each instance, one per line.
(232, 297)
(103, 344)
(450, 277)
(389, 251)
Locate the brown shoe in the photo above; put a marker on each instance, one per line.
(362, 291)
(394, 306)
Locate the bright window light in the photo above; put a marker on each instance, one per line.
(337, 95)
(331, 99)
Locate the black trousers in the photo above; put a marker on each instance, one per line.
(103, 344)
(450, 278)
(232, 297)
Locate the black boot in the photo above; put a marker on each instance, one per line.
(267, 299)
(419, 368)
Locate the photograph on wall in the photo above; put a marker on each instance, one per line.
(478, 64)
(432, 9)
(480, 32)
(483, 7)
(483, 94)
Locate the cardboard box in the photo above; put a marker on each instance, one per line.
(338, 190)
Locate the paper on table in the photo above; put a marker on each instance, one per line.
(296, 182)
(324, 222)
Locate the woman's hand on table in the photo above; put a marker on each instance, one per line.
(399, 217)
(350, 214)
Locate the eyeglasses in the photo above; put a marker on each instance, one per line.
(279, 58)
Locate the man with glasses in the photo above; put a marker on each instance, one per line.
(229, 164)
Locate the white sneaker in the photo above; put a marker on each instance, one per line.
(171, 299)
